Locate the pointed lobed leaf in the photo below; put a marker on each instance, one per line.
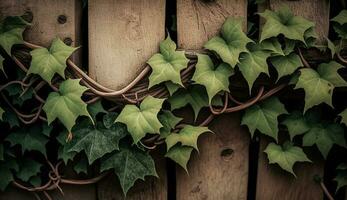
(343, 115)
(66, 105)
(341, 18)
(64, 152)
(46, 62)
(169, 121)
(143, 120)
(188, 136)
(130, 164)
(285, 156)
(286, 65)
(172, 87)
(341, 179)
(272, 45)
(28, 168)
(180, 154)
(6, 172)
(167, 64)
(264, 117)
(296, 124)
(329, 72)
(232, 42)
(213, 79)
(96, 108)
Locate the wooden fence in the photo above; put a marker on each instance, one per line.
(122, 35)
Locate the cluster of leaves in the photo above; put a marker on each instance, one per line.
(89, 135)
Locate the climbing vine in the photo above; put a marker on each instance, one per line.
(53, 115)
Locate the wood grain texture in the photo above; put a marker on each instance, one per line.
(314, 10)
(123, 35)
(220, 171)
(152, 188)
(198, 21)
(273, 183)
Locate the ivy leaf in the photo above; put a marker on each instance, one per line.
(329, 72)
(10, 117)
(46, 62)
(284, 22)
(252, 64)
(96, 141)
(343, 115)
(263, 117)
(95, 108)
(324, 136)
(11, 32)
(2, 64)
(6, 172)
(341, 18)
(341, 179)
(213, 79)
(180, 154)
(64, 149)
(81, 166)
(272, 45)
(30, 139)
(232, 42)
(297, 124)
(286, 65)
(169, 121)
(66, 104)
(130, 164)
(285, 156)
(188, 136)
(143, 120)
(167, 64)
(28, 168)
(172, 87)
(1, 113)
(15, 91)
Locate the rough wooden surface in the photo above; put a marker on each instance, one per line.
(152, 189)
(315, 10)
(123, 35)
(198, 21)
(220, 171)
(273, 183)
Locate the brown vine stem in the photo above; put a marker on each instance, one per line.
(344, 61)
(11, 83)
(326, 191)
(226, 102)
(303, 60)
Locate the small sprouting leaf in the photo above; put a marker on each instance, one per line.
(96, 141)
(252, 64)
(296, 124)
(143, 120)
(6, 172)
(130, 164)
(28, 168)
(180, 154)
(264, 117)
(29, 139)
(167, 64)
(48, 62)
(11, 32)
(95, 108)
(325, 136)
(188, 136)
(66, 104)
(343, 115)
(169, 121)
(231, 43)
(286, 65)
(213, 79)
(285, 156)
(284, 22)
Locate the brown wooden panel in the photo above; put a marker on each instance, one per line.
(198, 21)
(273, 183)
(123, 35)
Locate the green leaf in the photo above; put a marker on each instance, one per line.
(284, 22)
(81, 167)
(341, 18)
(272, 45)
(11, 31)
(341, 179)
(1, 114)
(46, 62)
(143, 120)
(6, 172)
(167, 64)
(64, 152)
(297, 124)
(15, 91)
(263, 117)
(169, 121)
(232, 42)
(66, 105)
(95, 108)
(324, 136)
(2, 64)
(343, 115)
(180, 154)
(329, 72)
(285, 156)
(96, 141)
(252, 64)
(30, 139)
(213, 79)
(28, 168)
(286, 65)
(10, 117)
(188, 136)
(172, 87)
(130, 164)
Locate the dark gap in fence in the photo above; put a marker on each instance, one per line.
(171, 28)
(84, 35)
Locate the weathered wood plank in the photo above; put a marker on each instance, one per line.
(198, 21)
(274, 183)
(123, 35)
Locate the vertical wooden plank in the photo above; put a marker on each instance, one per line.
(123, 35)
(45, 27)
(198, 20)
